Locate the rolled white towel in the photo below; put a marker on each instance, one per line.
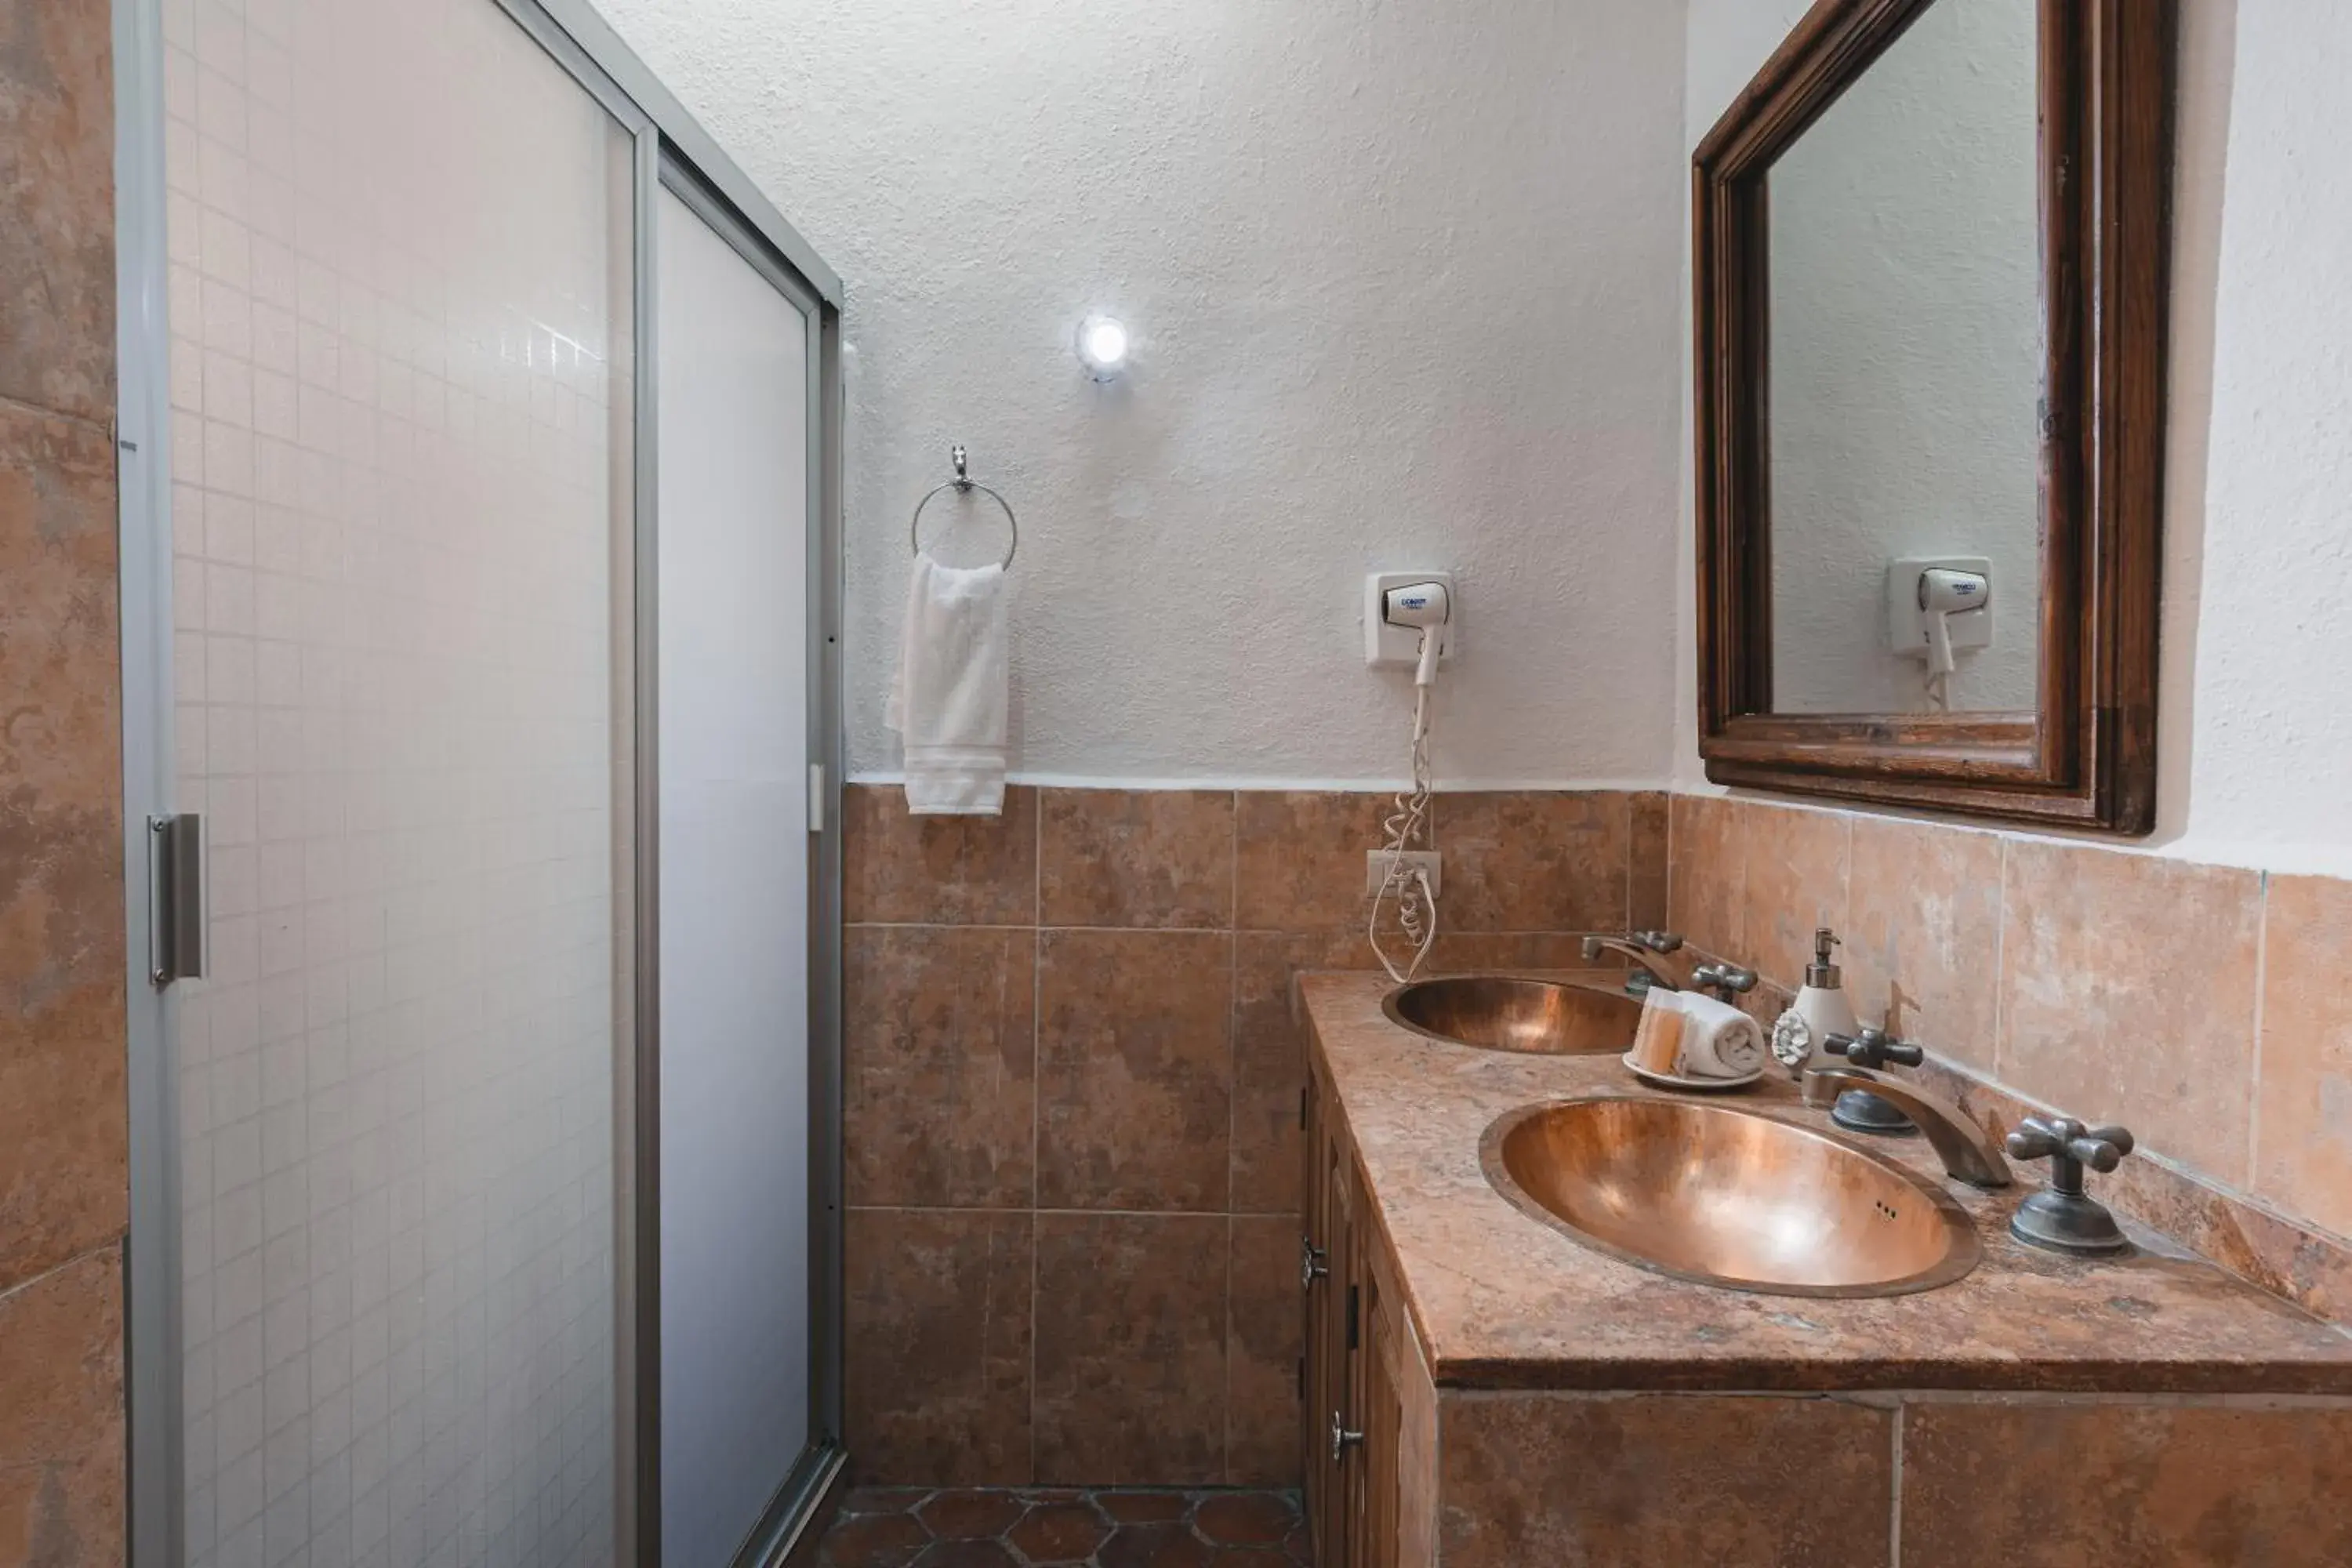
(1718, 1039)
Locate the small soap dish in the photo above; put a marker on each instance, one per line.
(1688, 1085)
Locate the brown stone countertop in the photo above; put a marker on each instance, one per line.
(1501, 1301)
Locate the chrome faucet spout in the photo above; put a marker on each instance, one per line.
(1662, 956)
(1670, 970)
(1969, 1154)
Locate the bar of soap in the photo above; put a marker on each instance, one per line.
(1658, 1038)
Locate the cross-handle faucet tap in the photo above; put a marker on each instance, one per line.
(1725, 980)
(1858, 1109)
(1661, 955)
(1871, 1048)
(2065, 1218)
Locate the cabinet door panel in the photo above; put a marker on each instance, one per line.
(1351, 1345)
(1384, 1417)
(1343, 1331)
(1316, 1233)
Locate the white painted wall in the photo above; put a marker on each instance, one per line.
(1404, 283)
(1906, 363)
(1398, 280)
(2260, 636)
(2256, 736)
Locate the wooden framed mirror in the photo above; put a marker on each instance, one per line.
(1929, 252)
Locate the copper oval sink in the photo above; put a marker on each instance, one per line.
(1498, 1014)
(1727, 1197)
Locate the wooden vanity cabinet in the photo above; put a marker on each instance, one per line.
(1533, 1452)
(1353, 1426)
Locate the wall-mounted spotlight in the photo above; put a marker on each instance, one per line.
(1102, 347)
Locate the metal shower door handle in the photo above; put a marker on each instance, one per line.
(176, 898)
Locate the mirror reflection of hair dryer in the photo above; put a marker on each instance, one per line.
(1943, 593)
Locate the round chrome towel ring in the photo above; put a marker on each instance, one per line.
(964, 484)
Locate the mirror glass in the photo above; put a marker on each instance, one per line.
(1906, 357)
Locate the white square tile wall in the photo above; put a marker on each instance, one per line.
(398, 299)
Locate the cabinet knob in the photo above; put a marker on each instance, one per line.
(1314, 1263)
(1342, 1440)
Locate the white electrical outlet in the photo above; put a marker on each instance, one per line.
(1377, 862)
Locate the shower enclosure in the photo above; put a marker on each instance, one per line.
(480, 564)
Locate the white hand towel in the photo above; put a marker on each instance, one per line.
(1718, 1039)
(947, 701)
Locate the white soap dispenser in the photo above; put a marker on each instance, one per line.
(1821, 1010)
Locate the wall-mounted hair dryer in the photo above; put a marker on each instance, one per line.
(1408, 610)
(1425, 607)
(1410, 623)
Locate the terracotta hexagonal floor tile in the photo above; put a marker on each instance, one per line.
(971, 1515)
(1059, 1532)
(1245, 1519)
(1153, 1546)
(1065, 1527)
(1145, 1508)
(967, 1554)
(874, 1541)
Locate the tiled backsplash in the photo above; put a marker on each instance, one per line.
(1073, 1067)
(2206, 1008)
(1071, 1086)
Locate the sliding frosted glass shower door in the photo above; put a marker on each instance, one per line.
(732, 443)
(400, 304)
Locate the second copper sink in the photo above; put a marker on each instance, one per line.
(1727, 1197)
(1499, 1014)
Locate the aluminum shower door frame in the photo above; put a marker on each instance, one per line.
(670, 149)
